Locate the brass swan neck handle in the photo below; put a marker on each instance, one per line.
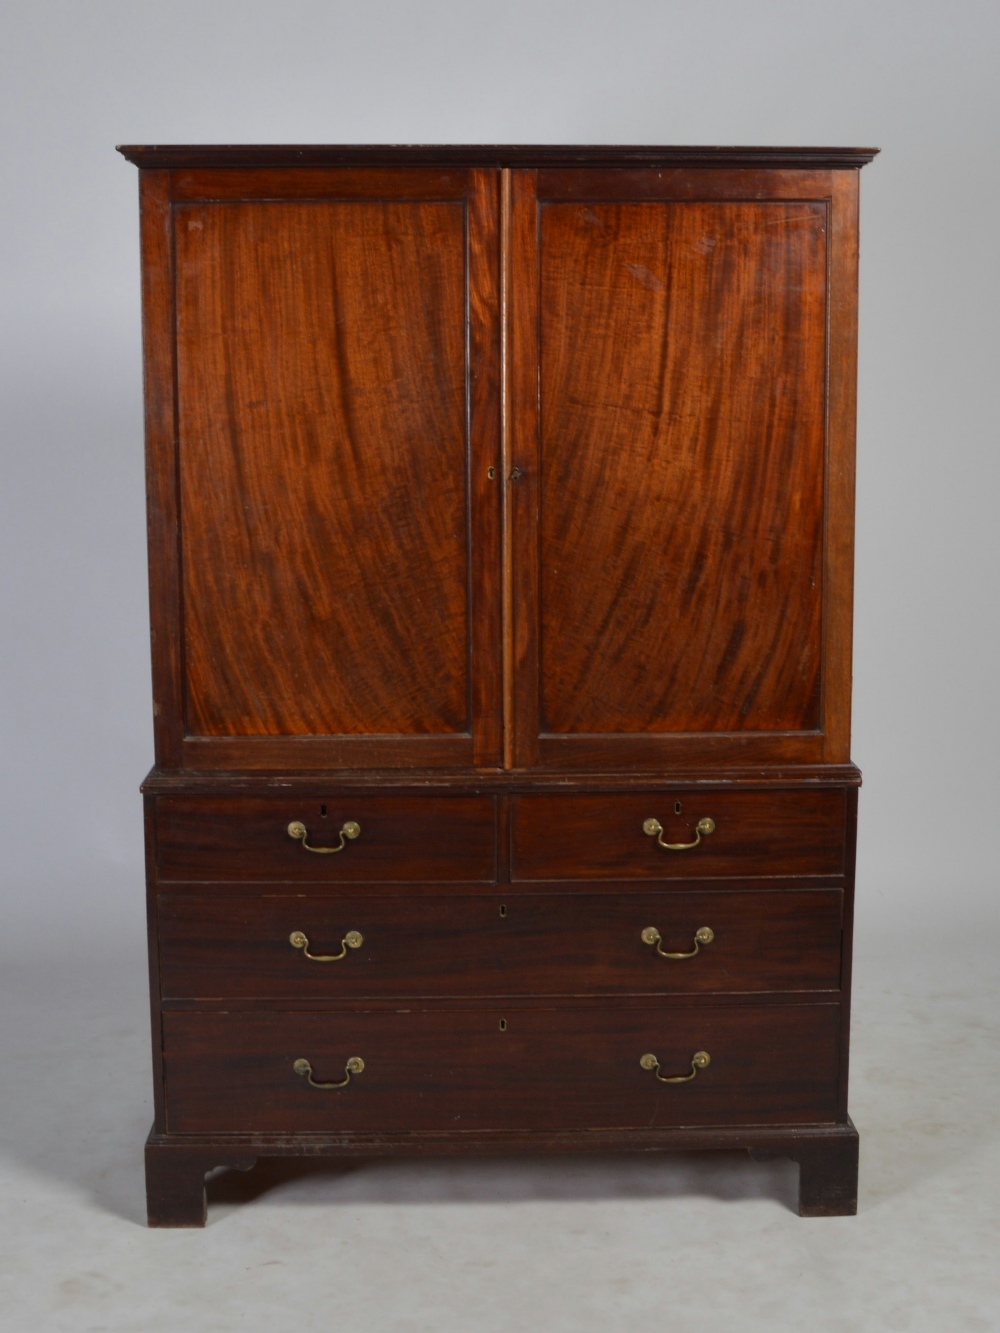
(352, 940)
(700, 1060)
(654, 829)
(348, 830)
(704, 935)
(303, 1068)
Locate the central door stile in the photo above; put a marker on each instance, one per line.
(485, 458)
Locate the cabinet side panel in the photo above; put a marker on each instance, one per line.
(161, 464)
(838, 605)
(323, 466)
(149, 804)
(847, 945)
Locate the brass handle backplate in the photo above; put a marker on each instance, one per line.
(349, 830)
(700, 1060)
(704, 935)
(355, 1065)
(352, 940)
(654, 829)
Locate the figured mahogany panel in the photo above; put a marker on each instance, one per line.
(486, 1069)
(602, 837)
(223, 948)
(683, 368)
(322, 388)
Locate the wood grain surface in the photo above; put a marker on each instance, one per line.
(682, 439)
(159, 354)
(546, 1069)
(401, 838)
(221, 948)
(321, 383)
(601, 837)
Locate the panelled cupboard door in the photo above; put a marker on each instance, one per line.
(682, 384)
(325, 523)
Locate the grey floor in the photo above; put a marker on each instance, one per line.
(707, 1242)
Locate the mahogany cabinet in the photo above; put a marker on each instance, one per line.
(500, 537)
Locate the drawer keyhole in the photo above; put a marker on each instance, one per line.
(677, 807)
(503, 1025)
(503, 909)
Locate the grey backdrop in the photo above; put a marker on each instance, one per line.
(917, 79)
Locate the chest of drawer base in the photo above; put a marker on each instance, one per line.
(504, 995)
(176, 1164)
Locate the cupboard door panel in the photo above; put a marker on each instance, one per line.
(674, 463)
(331, 354)
(682, 350)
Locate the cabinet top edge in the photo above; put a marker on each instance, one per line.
(189, 156)
(491, 781)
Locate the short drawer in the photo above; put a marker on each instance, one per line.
(497, 1069)
(404, 838)
(606, 837)
(230, 949)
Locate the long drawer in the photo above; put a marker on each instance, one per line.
(385, 838)
(491, 1069)
(226, 948)
(666, 836)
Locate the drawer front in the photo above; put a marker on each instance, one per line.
(400, 838)
(224, 948)
(487, 1069)
(604, 837)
